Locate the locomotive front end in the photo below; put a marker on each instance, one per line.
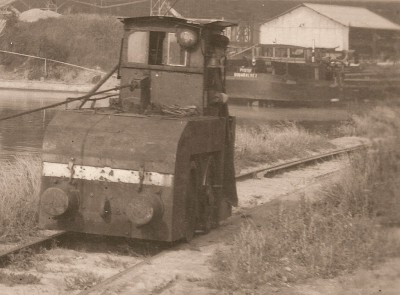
(102, 175)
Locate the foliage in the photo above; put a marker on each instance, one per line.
(82, 39)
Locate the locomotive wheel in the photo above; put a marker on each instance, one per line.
(202, 204)
(192, 202)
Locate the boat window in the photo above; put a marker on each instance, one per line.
(138, 47)
(297, 52)
(268, 52)
(281, 52)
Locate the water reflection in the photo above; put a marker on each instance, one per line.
(24, 135)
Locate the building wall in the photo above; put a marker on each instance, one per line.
(302, 27)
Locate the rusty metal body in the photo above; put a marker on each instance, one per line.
(133, 169)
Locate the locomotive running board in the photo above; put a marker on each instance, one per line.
(107, 174)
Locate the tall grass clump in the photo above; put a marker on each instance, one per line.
(19, 196)
(267, 144)
(380, 122)
(345, 229)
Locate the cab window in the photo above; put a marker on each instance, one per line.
(177, 56)
(156, 48)
(138, 47)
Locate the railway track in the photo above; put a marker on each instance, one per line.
(263, 171)
(6, 257)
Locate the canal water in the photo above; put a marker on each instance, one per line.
(24, 135)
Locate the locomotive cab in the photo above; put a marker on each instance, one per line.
(175, 62)
(158, 162)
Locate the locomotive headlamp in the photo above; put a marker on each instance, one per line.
(187, 38)
(56, 201)
(143, 209)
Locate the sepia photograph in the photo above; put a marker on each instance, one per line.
(204, 147)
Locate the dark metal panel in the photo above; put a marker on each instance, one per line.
(203, 136)
(113, 141)
(182, 89)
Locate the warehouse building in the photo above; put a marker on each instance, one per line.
(340, 28)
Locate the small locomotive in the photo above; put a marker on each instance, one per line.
(158, 162)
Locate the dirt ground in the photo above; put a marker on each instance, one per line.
(61, 271)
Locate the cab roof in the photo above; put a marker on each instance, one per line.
(222, 24)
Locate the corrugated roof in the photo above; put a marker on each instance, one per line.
(350, 16)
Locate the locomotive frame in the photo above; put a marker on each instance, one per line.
(158, 162)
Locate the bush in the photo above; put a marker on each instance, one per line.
(82, 39)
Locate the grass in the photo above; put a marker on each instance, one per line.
(11, 279)
(82, 281)
(381, 122)
(268, 144)
(19, 197)
(343, 230)
(112, 262)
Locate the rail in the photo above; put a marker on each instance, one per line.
(262, 171)
(44, 242)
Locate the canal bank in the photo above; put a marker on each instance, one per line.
(79, 85)
(48, 86)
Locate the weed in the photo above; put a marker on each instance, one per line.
(11, 279)
(112, 262)
(164, 286)
(82, 281)
(23, 260)
(268, 144)
(380, 122)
